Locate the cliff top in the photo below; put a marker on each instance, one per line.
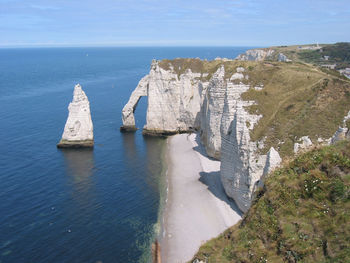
(337, 54)
(196, 65)
(294, 98)
(302, 214)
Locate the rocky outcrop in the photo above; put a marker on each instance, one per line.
(241, 164)
(129, 108)
(283, 58)
(211, 113)
(187, 101)
(173, 102)
(273, 160)
(78, 131)
(255, 55)
(343, 131)
(304, 143)
(187, 95)
(340, 134)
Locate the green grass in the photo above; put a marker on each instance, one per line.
(297, 100)
(338, 53)
(180, 65)
(301, 215)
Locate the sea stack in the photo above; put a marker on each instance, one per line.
(78, 131)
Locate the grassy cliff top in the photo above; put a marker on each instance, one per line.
(301, 215)
(338, 54)
(180, 65)
(297, 99)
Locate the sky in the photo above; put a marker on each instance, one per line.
(27, 23)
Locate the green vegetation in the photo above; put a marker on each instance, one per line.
(301, 215)
(180, 65)
(338, 53)
(297, 99)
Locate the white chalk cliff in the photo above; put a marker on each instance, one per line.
(182, 103)
(186, 95)
(343, 131)
(211, 113)
(173, 101)
(129, 108)
(78, 131)
(255, 55)
(242, 167)
(304, 143)
(194, 95)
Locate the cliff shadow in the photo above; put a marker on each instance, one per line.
(200, 148)
(213, 182)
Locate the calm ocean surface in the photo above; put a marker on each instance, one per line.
(99, 205)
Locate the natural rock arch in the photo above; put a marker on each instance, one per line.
(129, 109)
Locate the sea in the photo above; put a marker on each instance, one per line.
(102, 205)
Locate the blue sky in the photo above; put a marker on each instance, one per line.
(173, 22)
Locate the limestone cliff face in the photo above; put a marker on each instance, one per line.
(343, 131)
(173, 101)
(211, 113)
(129, 108)
(187, 101)
(78, 131)
(241, 165)
(207, 96)
(255, 55)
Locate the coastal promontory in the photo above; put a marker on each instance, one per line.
(78, 131)
(254, 114)
(242, 110)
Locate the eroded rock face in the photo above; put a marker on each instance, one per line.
(343, 131)
(187, 101)
(129, 108)
(173, 101)
(211, 113)
(304, 143)
(282, 57)
(273, 160)
(179, 103)
(78, 131)
(241, 165)
(255, 55)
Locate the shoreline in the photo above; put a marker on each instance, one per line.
(196, 207)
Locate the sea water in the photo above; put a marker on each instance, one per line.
(99, 205)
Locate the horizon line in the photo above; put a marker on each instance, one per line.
(131, 45)
(119, 46)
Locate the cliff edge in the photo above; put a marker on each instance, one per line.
(249, 114)
(300, 215)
